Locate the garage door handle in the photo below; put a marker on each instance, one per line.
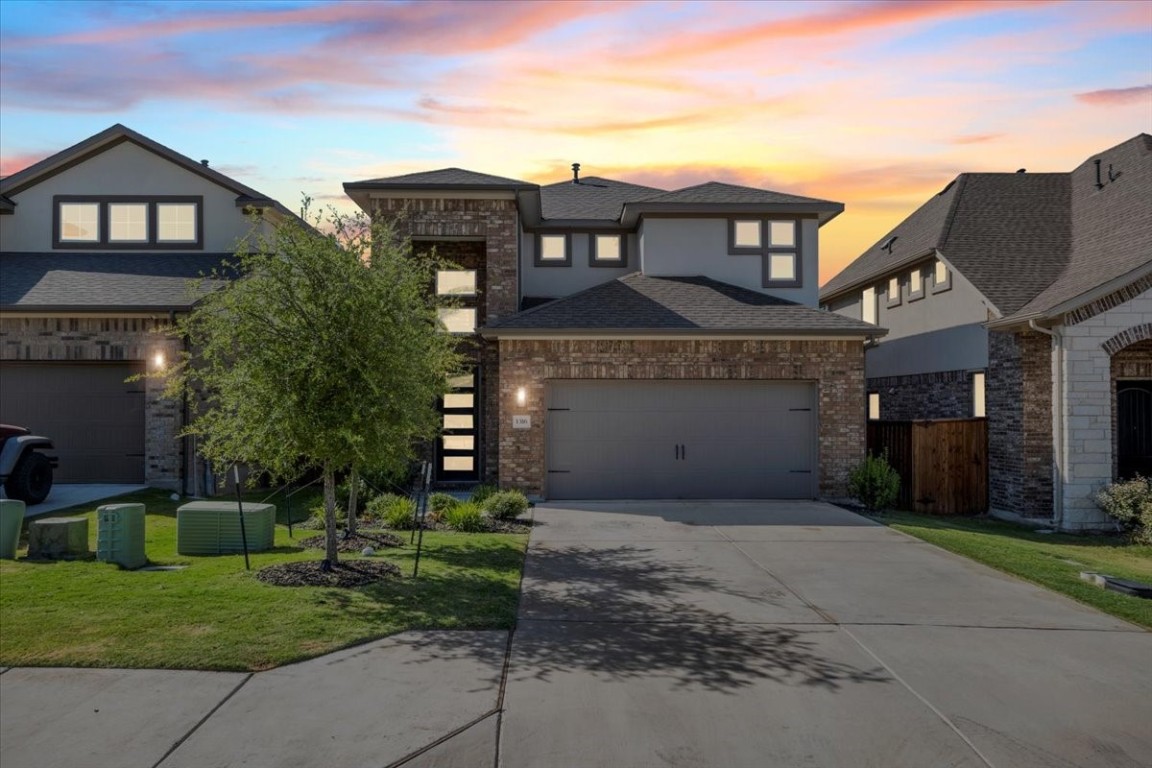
(683, 451)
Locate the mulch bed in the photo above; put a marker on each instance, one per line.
(310, 573)
(356, 542)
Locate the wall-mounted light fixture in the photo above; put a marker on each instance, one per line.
(158, 360)
(521, 396)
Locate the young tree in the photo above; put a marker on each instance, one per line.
(326, 353)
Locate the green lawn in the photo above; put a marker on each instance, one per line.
(1051, 560)
(215, 615)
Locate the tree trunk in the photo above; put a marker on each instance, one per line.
(330, 551)
(353, 489)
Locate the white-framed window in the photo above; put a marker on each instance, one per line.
(553, 250)
(458, 319)
(456, 282)
(868, 305)
(979, 405)
(128, 222)
(79, 223)
(176, 223)
(607, 250)
(873, 406)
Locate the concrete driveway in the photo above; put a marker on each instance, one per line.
(798, 634)
(684, 634)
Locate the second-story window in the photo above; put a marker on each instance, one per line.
(916, 284)
(868, 306)
(941, 277)
(553, 250)
(894, 297)
(456, 282)
(777, 242)
(458, 320)
(117, 222)
(607, 251)
(746, 234)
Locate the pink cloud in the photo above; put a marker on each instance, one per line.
(1112, 97)
(18, 162)
(975, 138)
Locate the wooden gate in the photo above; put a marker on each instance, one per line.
(943, 463)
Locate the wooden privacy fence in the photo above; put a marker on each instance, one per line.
(943, 463)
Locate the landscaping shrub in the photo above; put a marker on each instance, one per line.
(874, 483)
(364, 494)
(441, 502)
(506, 505)
(393, 511)
(482, 492)
(1129, 503)
(466, 517)
(316, 517)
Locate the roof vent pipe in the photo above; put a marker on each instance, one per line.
(204, 163)
(575, 173)
(1099, 183)
(1021, 170)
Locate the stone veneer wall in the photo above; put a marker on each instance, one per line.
(940, 395)
(836, 366)
(439, 221)
(1089, 408)
(111, 339)
(1019, 406)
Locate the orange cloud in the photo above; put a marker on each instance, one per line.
(1112, 97)
(976, 138)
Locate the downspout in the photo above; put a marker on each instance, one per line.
(1057, 424)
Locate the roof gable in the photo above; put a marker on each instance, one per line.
(114, 136)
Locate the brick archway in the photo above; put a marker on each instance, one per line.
(1127, 338)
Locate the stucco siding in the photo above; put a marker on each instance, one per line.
(682, 247)
(564, 280)
(125, 169)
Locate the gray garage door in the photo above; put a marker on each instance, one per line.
(681, 439)
(95, 420)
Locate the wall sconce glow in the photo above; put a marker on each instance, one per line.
(521, 396)
(158, 361)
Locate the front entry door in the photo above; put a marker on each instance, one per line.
(1134, 428)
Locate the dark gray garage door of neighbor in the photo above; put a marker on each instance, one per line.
(94, 418)
(681, 440)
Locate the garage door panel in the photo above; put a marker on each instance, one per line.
(94, 418)
(681, 439)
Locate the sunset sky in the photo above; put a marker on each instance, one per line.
(874, 104)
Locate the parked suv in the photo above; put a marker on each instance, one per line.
(25, 471)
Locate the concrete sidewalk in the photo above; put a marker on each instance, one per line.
(64, 495)
(366, 706)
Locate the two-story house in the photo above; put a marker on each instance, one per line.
(98, 246)
(631, 342)
(1026, 298)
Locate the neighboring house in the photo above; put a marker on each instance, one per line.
(98, 246)
(1026, 297)
(636, 343)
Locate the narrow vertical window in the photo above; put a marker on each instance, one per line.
(978, 404)
(873, 406)
(868, 306)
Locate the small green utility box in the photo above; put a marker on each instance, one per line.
(11, 518)
(213, 527)
(120, 535)
(58, 538)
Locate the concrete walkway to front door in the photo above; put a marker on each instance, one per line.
(798, 634)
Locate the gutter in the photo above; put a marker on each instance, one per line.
(1057, 423)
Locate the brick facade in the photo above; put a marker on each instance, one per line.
(836, 366)
(478, 234)
(939, 395)
(111, 339)
(1019, 407)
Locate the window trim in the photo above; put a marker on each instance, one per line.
(593, 249)
(947, 283)
(865, 303)
(766, 250)
(475, 282)
(897, 299)
(565, 262)
(868, 406)
(910, 294)
(104, 243)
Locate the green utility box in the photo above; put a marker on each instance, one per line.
(11, 518)
(213, 527)
(120, 535)
(58, 538)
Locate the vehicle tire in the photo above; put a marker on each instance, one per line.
(31, 481)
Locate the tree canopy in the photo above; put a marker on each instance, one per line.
(326, 353)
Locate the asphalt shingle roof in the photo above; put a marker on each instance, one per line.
(720, 193)
(645, 303)
(101, 281)
(444, 177)
(591, 198)
(1028, 242)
